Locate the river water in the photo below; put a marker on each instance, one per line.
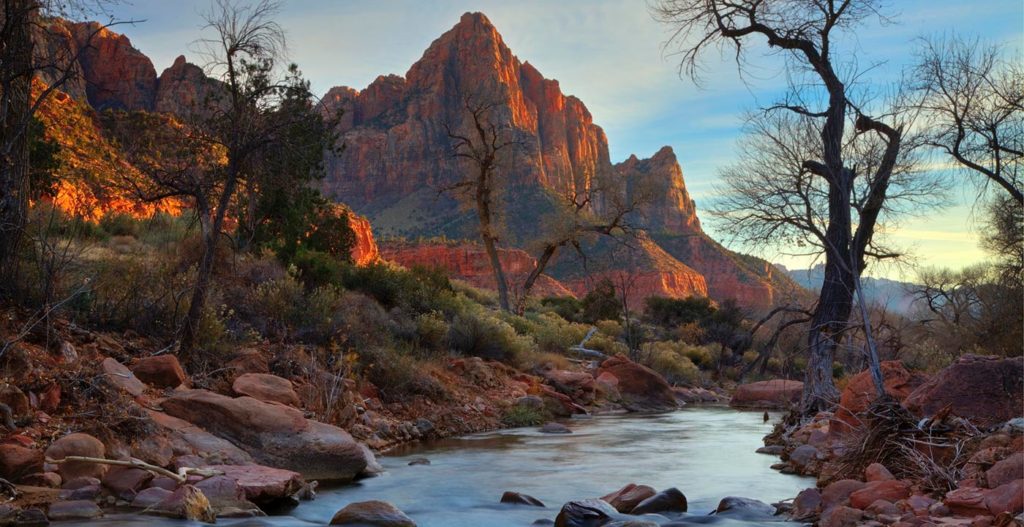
(705, 451)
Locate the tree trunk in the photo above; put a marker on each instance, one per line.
(829, 320)
(484, 214)
(16, 99)
(211, 236)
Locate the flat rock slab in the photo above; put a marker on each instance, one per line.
(120, 376)
(266, 387)
(74, 510)
(273, 434)
(260, 484)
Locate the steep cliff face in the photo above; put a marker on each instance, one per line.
(184, 90)
(116, 74)
(394, 130)
(667, 205)
(365, 251)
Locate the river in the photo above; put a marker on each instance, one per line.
(705, 451)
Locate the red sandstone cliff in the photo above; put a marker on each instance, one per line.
(365, 250)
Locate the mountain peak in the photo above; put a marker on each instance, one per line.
(475, 19)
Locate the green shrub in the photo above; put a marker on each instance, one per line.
(671, 312)
(481, 335)
(667, 358)
(567, 307)
(397, 375)
(519, 416)
(120, 224)
(418, 290)
(432, 332)
(317, 269)
(554, 334)
(601, 303)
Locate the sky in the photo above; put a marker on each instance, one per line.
(610, 54)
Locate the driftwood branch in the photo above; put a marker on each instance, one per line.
(180, 476)
(579, 348)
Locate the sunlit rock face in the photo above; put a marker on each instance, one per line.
(396, 144)
(365, 250)
(116, 74)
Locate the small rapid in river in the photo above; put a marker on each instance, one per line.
(705, 451)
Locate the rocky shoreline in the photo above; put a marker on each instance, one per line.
(251, 442)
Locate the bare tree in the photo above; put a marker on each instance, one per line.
(813, 199)
(973, 109)
(483, 147)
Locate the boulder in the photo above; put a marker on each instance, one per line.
(73, 510)
(267, 388)
(273, 434)
(187, 503)
(668, 500)
(985, 390)
(150, 497)
(877, 472)
(627, 498)
(860, 392)
(121, 377)
(16, 461)
(744, 508)
(804, 458)
(555, 428)
(259, 484)
(1006, 471)
(889, 490)
(16, 400)
(188, 438)
(838, 492)
(78, 444)
(807, 505)
(585, 513)
(372, 514)
(580, 386)
(520, 499)
(776, 393)
(42, 479)
(841, 516)
(1008, 497)
(641, 389)
(126, 482)
(161, 371)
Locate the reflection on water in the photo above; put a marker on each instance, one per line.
(707, 452)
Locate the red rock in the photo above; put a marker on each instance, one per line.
(1005, 471)
(365, 251)
(888, 490)
(580, 386)
(78, 444)
(918, 504)
(17, 461)
(985, 390)
(841, 516)
(390, 128)
(187, 503)
(838, 493)
(628, 497)
(668, 500)
(117, 75)
(249, 361)
(469, 262)
(193, 440)
(860, 392)
(161, 371)
(126, 482)
(776, 393)
(1008, 497)
(275, 435)
(49, 399)
(807, 504)
(73, 510)
(518, 498)
(877, 472)
(16, 400)
(641, 388)
(376, 513)
(184, 90)
(150, 497)
(260, 484)
(966, 501)
(267, 388)
(122, 377)
(882, 507)
(42, 479)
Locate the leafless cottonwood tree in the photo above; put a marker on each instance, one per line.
(819, 181)
(482, 148)
(601, 206)
(22, 24)
(973, 109)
